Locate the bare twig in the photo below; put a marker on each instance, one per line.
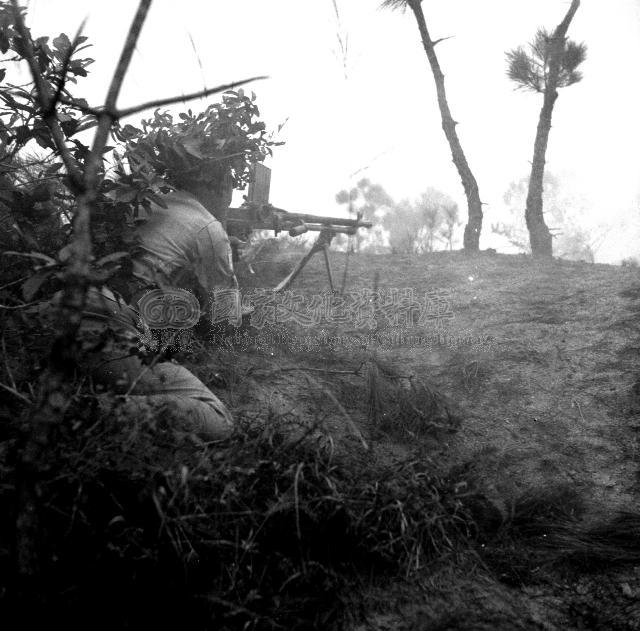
(343, 41)
(14, 392)
(297, 499)
(22, 306)
(577, 404)
(116, 114)
(14, 282)
(442, 39)
(187, 97)
(105, 119)
(195, 52)
(6, 365)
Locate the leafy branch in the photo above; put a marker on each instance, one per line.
(45, 100)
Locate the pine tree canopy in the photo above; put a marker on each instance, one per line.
(530, 69)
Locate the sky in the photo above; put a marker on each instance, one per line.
(373, 113)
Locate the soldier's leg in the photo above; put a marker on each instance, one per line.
(197, 407)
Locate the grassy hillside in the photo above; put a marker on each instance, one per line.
(549, 396)
(454, 450)
(548, 401)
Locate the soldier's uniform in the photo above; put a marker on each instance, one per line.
(180, 242)
(163, 385)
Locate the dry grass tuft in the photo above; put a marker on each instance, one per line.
(406, 407)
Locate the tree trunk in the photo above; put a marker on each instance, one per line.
(539, 235)
(474, 226)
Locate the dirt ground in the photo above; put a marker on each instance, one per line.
(537, 373)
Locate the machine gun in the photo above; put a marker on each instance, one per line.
(258, 214)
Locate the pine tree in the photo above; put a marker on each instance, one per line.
(551, 63)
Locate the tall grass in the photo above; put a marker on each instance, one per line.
(143, 525)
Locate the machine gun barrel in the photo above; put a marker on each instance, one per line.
(258, 214)
(299, 229)
(320, 219)
(266, 217)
